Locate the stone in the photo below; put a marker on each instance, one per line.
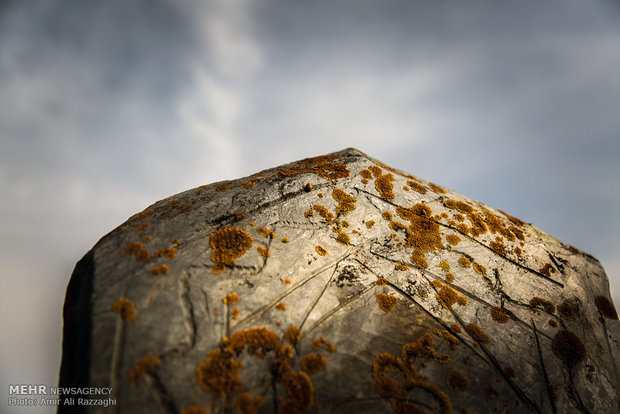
(338, 284)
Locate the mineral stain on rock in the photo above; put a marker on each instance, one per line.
(421, 300)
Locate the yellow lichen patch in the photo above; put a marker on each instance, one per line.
(364, 181)
(321, 251)
(517, 232)
(417, 187)
(459, 217)
(292, 335)
(455, 328)
(324, 212)
(370, 223)
(285, 240)
(568, 347)
(401, 266)
(386, 302)
(452, 340)
(497, 246)
(384, 186)
(346, 202)
(445, 266)
(447, 296)
(322, 166)
(317, 343)
(376, 171)
(422, 293)
(518, 251)
(287, 281)
(248, 184)
(495, 225)
(478, 226)
(537, 302)
(222, 187)
(422, 234)
(499, 315)
(477, 334)
(395, 377)
(175, 241)
(228, 244)
(345, 223)
(265, 232)
(308, 213)
(281, 306)
(343, 238)
(387, 216)
(168, 252)
(219, 374)
(235, 313)
(606, 307)
(298, 387)
(147, 364)
(450, 277)
(230, 299)
(258, 341)
(320, 195)
(456, 380)
(513, 219)
(453, 239)
(313, 363)
(464, 262)
(162, 269)
(478, 268)
(125, 308)
(436, 188)
(137, 250)
(263, 252)
(193, 409)
(248, 403)
(366, 174)
(381, 281)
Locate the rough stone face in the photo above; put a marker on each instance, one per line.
(338, 284)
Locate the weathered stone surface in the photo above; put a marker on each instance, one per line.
(337, 284)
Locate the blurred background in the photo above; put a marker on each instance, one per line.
(109, 106)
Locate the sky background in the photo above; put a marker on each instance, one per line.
(109, 106)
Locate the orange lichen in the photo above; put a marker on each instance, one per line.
(324, 212)
(477, 334)
(537, 302)
(452, 340)
(193, 409)
(422, 293)
(235, 313)
(437, 188)
(298, 387)
(285, 240)
(292, 335)
(281, 306)
(313, 363)
(364, 181)
(386, 302)
(455, 328)
(147, 364)
(499, 315)
(343, 238)
(464, 262)
(309, 213)
(366, 174)
(346, 202)
(248, 403)
(384, 186)
(320, 195)
(456, 380)
(381, 281)
(387, 215)
(448, 296)
(257, 341)
(345, 223)
(417, 187)
(547, 269)
(248, 184)
(517, 232)
(265, 232)
(168, 252)
(322, 166)
(219, 374)
(445, 266)
(370, 223)
(518, 251)
(125, 308)
(568, 347)
(137, 250)
(606, 307)
(453, 239)
(228, 244)
(263, 252)
(478, 226)
(497, 246)
(422, 234)
(495, 225)
(317, 343)
(515, 220)
(162, 269)
(142, 226)
(401, 266)
(450, 277)
(566, 310)
(478, 268)
(222, 187)
(230, 298)
(147, 239)
(287, 281)
(321, 251)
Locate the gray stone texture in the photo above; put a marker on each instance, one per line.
(449, 305)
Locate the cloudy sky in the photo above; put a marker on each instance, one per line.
(109, 106)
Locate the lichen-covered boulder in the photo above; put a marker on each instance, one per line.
(337, 284)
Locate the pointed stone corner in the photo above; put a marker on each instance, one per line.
(339, 284)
